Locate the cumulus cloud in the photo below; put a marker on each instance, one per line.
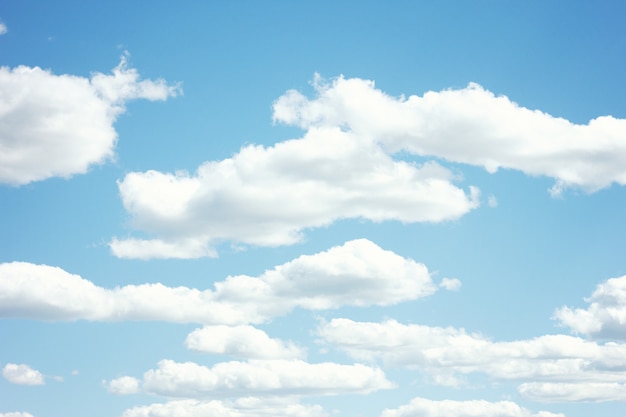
(451, 284)
(241, 341)
(267, 196)
(261, 378)
(22, 374)
(605, 317)
(246, 407)
(566, 391)
(448, 354)
(422, 407)
(469, 125)
(123, 385)
(3, 28)
(358, 273)
(60, 125)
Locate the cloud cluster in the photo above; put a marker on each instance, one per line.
(469, 125)
(22, 374)
(266, 196)
(260, 378)
(552, 367)
(422, 407)
(60, 125)
(358, 273)
(605, 318)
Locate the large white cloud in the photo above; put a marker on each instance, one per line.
(448, 355)
(422, 407)
(267, 195)
(470, 125)
(22, 374)
(606, 315)
(241, 341)
(245, 407)
(358, 273)
(60, 125)
(261, 378)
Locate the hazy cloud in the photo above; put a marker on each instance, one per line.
(22, 374)
(422, 407)
(358, 273)
(60, 125)
(470, 125)
(16, 414)
(447, 354)
(606, 315)
(3, 28)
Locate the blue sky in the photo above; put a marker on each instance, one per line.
(369, 209)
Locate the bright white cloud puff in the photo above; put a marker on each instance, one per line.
(566, 364)
(605, 318)
(422, 407)
(22, 374)
(267, 196)
(471, 126)
(261, 378)
(60, 125)
(358, 273)
(245, 407)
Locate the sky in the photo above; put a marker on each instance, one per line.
(308, 209)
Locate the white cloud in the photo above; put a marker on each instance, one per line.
(123, 385)
(268, 196)
(568, 392)
(22, 375)
(241, 341)
(422, 407)
(451, 284)
(447, 354)
(358, 273)
(471, 126)
(60, 125)
(247, 407)
(3, 28)
(606, 315)
(16, 414)
(261, 378)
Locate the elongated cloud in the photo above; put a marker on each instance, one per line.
(241, 341)
(22, 374)
(422, 407)
(446, 355)
(261, 378)
(605, 317)
(471, 126)
(60, 125)
(246, 407)
(358, 273)
(267, 196)
(16, 414)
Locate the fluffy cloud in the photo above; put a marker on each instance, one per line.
(267, 196)
(421, 407)
(22, 375)
(241, 341)
(470, 125)
(565, 391)
(606, 315)
(59, 125)
(261, 377)
(123, 385)
(358, 273)
(3, 28)
(448, 354)
(246, 407)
